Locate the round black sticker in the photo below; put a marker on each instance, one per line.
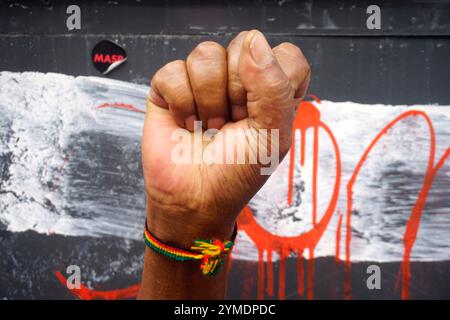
(107, 56)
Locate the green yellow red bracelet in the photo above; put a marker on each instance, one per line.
(210, 252)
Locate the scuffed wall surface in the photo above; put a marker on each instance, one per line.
(53, 137)
(406, 62)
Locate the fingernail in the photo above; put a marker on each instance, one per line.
(189, 122)
(215, 123)
(260, 50)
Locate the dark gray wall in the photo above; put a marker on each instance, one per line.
(406, 62)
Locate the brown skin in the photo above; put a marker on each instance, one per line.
(247, 85)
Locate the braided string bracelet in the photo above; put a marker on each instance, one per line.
(210, 252)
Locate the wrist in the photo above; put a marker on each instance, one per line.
(181, 228)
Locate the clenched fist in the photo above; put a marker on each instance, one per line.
(247, 86)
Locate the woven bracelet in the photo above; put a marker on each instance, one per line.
(210, 252)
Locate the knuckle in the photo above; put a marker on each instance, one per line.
(242, 33)
(171, 82)
(293, 52)
(168, 70)
(291, 49)
(237, 39)
(207, 50)
(176, 64)
(253, 31)
(172, 67)
(156, 79)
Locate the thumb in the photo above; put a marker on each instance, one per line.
(270, 96)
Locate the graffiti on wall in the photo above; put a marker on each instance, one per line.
(361, 183)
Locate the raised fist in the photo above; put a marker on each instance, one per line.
(249, 89)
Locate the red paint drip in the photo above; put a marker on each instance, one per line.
(308, 116)
(310, 292)
(338, 239)
(314, 177)
(291, 169)
(260, 274)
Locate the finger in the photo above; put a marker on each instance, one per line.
(270, 97)
(237, 98)
(295, 66)
(171, 89)
(207, 69)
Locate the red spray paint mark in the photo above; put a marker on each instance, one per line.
(84, 293)
(412, 226)
(308, 116)
(260, 271)
(310, 288)
(119, 105)
(314, 97)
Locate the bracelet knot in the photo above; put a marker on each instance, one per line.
(211, 252)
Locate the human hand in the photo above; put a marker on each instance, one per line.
(248, 87)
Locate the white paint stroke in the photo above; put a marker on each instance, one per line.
(69, 168)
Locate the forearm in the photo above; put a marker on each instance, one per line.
(163, 278)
